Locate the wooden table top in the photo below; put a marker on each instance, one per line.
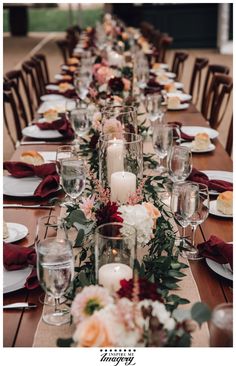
(20, 326)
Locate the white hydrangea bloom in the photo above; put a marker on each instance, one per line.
(160, 312)
(138, 217)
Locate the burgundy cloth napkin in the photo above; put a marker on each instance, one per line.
(16, 257)
(71, 93)
(152, 87)
(214, 184)
(183, 135)
(62, 125)
(48, 172)
(216, 249)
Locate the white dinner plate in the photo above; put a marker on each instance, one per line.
(61, 77)
(20, 187)
(181, 107)
(213, 211)
(15, 232)
(15, 280)
(48, 156)
(35, 132)
(52, 97)
(59, 105)
(223, 270)
(194, 130)
(190, 145)
(183, 97)
(42, 120)
(218, 174)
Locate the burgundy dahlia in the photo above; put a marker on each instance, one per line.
(108, 213)
(147, 290)
(116, 85)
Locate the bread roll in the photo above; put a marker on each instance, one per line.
(32, 157)
(63, 87)
(173, 102)
(72, 61)
(201, 141)
(5, 230)
(50, 115)
(224, 202)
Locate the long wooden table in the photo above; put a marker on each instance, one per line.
(20, 326)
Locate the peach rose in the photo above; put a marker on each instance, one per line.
(104, 74)
(92, 332)
(127, 84)
(152, 211)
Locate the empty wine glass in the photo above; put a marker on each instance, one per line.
(162, 140)
(179, 163)
(152, 105)
(195, 210)
(73, 177)
(81, 122)
(64, 152)
(55, 266)
(176, 206)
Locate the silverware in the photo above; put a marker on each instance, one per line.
(18, 205)
(20, 305)
(41, 143)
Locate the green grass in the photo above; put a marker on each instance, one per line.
(54, 20)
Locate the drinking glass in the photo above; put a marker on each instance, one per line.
(80, 119)
(153, 107)
(162, 140)
(73, 177)
(176, 206)
(221, 326)
(55, 266)
(195, 210)
(179, 163)
(64, 152)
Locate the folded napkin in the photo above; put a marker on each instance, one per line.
(183, 135)
(16, 257)
(70, 93)
(213, 184)
(216, 249)
(48, 172)
(62, 125)
(152, 87)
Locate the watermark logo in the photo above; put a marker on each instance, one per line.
(116, 356)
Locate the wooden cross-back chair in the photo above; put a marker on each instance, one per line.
(164, 43)
(211, 71)
(31, 76)
(196, 79)
(178, 63)
(21, 93)
(41, 60)
(64, 48)
(229, 142)
(217, 99)
(9, 100)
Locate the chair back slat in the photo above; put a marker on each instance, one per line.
(196, 79)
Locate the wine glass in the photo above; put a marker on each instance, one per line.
(179, 163)
(195, 210)
(162, 140)
(80, 119)
(55, 266)
(176, 206)
(221, 326)
(73, 177)
(152, 105)
(127, 116)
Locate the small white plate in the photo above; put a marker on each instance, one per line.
(223, 270)
(59, 105)
(181, 107)
(52, 87)
(48, 156)
(213, 211)
(178, 85)
(16, 232)
(42, 120)
(35, 132)
(194, 130)
(60, 77)
(190, 145)
(20, 187)
(183, 97)
(52, 97)
(218, 174)
(15, 280)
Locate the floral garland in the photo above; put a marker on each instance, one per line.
(141, 313)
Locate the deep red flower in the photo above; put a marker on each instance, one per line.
(108, 213)
(147, 290)
(116, 85)
(94, 140)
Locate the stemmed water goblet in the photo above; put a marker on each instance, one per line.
(195, 209)
(179, 163)
(73, 177)
(162, 140)
(81, 120)
(55, 267)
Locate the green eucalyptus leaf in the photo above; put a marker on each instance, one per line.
(79, 238)
(64, 342)
(200, 312)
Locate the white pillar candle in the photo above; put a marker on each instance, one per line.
(115, 157)
(109, 275)
(122, 185)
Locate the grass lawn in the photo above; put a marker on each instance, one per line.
(54, 20)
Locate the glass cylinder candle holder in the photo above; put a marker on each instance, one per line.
(126, 116)
(120, 163)
(115, 254)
